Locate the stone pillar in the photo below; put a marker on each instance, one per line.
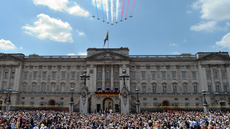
(202, 77)
(124, 103)
(213, 82)
(103, 77)
(8, 78)
(228, 75)
(2, 76)
(220, 78)
(120, 73)
(206, 108)
(93, 79)
(112, 78)
(128, 82)
(71, 107)
(18, 78)
(84, 102)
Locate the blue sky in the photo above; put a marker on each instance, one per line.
(158, 27)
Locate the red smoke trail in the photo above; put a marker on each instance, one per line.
(132, 7)
(123, 3)
(127, 8)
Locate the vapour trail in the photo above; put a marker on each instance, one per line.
(132, 7)
(102, 9)
(107, 9)
(111, 11)
(96, 8)
(91, 6)
(117, 6)
(127, 8)
(123, 2)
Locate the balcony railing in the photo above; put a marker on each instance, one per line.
(107, 92)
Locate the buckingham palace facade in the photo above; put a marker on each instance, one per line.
(162, 80)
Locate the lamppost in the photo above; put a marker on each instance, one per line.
(9, 101)
(205, 104)
(84, 77)
(71, 100)
(137, 103)
(124, 76)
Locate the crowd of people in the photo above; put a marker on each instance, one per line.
(42, 119)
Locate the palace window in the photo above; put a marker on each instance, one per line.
(163, 75)
(63, 75)
(52, 88)
(13, 74)
(153, 76)
(143, 75)
(217, 88)
(72, 75)
(43, 88)
(116, 75)
(62, 88)
(174, 89)
(35, 75)
(215, 75)
(24, 88)
(143, 89)
(133, 76)
(225, 88)
(184, 75)
(25, 75)
(194, 75)
(164, 89)
(33, 88)
(185, 89)
(116, 88)
(107, 88)
(173, 75)
(195, 89)
(53, 75)
(44, 75)
(4, 87)
(154, 89)
(208, 74)
(209, 88)
(133, 89)
(99, 75)
(6, 74)
(99, 88)
(223, 74)
(107, 75)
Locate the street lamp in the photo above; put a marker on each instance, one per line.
(10, 91)
(124, 76)
(204, 93)
(84, 77)
(72, 90)
(137, 95)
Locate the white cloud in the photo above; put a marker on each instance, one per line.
(21, 47)
(206, 26)
(6, 45)
(60, 5)
(176, 53)
(82, 53)
(185, 40)
(80, 33)
(77, 10)
(71, 54)
(173, 44)
(51, 28)
(225, 42)
(213, 9)
(189, 11)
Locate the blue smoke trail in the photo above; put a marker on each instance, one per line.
(96, 8)
(102, 9)
(91, 6)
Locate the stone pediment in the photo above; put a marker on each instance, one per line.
(214, 56)
(9, 57)
(108, 55)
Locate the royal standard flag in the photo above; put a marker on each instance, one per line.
(106, 38)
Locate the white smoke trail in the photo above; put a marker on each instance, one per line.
(111, 11)
(107, 9)
(117, 8)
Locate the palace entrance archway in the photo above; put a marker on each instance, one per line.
(165, 103)
(51, 102)
(107, 104)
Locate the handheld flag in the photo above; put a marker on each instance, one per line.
(106, 38)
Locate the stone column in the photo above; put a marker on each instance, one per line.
(112, 78)
(18, 78)
(8, 78)
(84, 103)
(128, 81)
(94, 78)
(103, 77)
(220, 78)
(213, 82)
(202, 75)
(124, 103)
(120, 73)
(2, 76)
(228, 75)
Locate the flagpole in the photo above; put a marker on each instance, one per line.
(108, 38)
